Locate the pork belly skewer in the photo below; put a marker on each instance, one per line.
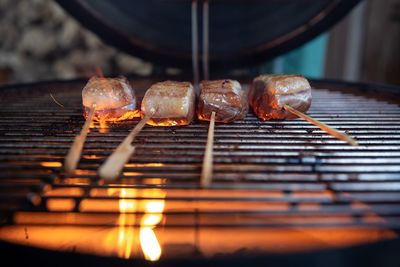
(221, 101)
(287, 96)
(164, 104)
(103, 99)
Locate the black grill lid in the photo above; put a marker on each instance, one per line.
(242, 33)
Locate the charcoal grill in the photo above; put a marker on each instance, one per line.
(279, 186)
(283, 192)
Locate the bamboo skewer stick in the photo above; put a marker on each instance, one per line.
(207, 170)
(112, 167)
(322, 126)
(75, 151)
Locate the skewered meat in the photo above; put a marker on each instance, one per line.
(269, 93)
(173, 103)
(225, 97)
(114, 98)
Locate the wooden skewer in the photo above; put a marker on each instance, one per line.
(74, 153)
(206, 173)
(112, 167)
(55, 101)
(322, 126)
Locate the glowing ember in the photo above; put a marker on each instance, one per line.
(105, 117)
(132, 173)
(91, 157)
(60, 204)
(77, 181)
(144, 164)
(102, 122)
(50, 164)
(168, 122)
(65, 191)
(85, 172)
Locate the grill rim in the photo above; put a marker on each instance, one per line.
(384, 253)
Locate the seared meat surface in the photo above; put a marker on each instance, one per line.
(114, 98)
(269, 93)
(225, 97)
(173, 102)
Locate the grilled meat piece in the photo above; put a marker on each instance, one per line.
(225, 97)
(173, 103)
(269, 93)
(114, 98)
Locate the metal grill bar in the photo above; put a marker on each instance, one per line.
(267, 174)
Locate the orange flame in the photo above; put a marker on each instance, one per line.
(149, 243)
(102, 121)
(100, 124)
(148, 240)
(50, 164)
(125, 222)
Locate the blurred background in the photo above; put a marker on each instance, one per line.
(40, 41)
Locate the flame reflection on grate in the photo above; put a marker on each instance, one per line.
(50, 164)
(150, 246)
(153, 209)
(125, 222)
(91, 157)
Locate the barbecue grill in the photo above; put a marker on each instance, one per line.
(283, 192)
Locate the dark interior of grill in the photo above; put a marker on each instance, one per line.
(279, 187)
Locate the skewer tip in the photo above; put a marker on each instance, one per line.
(328, 129)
